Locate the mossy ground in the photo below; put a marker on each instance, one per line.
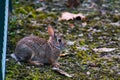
(81, 61)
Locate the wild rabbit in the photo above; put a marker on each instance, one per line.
(39, 51)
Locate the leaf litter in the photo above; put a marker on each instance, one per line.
(70, 16)
(104, 49)
(99, 30)
(62, 72)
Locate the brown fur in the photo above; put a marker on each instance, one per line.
(38, 51)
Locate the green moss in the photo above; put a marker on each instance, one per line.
(97, 33)
(116, 18)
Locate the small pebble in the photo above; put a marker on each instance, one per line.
(88, 73)
(70, 43)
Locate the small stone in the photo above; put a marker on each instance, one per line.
(70, 43)
(80, 35)
(118, 73)
(27, 67)
(7, 59)
(88, 73)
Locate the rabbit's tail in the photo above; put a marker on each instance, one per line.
(14, 57)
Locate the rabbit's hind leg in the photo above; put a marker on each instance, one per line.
(56, 64)
(36, 63)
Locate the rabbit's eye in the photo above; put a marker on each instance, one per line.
(59, 40)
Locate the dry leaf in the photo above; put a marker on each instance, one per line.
(71, 16)
(115, 24)
(66, 16)
(104, 49)
(40, 9)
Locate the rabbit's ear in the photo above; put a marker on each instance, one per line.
(50, 31)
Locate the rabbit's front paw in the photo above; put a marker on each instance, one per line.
(56, 64)
(37, 63)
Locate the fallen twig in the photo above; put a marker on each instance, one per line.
(61, 72)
